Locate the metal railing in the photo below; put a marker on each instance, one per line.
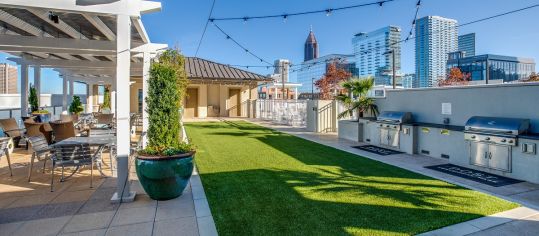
(286, 112)
(6, 113)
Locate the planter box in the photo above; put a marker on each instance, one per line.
(349, 130)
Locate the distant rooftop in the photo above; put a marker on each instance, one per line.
(198, 68)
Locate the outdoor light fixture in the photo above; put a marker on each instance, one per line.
(53, 17)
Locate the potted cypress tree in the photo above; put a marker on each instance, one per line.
(165, 165)
(105, 107)
(75, 108)
(42, 116)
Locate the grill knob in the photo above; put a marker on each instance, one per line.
(387, 126)
(503, 140)
(487, 138)
(510, 141)
(473, 136)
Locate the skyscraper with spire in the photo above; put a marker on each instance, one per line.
(311, 47)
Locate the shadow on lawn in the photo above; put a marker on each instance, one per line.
(270, 202)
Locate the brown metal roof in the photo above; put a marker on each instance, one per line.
(198, 68)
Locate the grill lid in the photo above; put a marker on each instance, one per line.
(511, 126)
(395, 117)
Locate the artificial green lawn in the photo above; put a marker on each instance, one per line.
(263, 182)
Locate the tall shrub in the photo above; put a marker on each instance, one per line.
(106, 99)
(33, 100)
(167, 86)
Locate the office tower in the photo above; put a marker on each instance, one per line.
(501, 69)
(467, 44)
(372, 51)
(311, 47)
(282, 67)
(435, 38)
(8, 79)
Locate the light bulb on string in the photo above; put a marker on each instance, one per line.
(285, 17)
(328, 12)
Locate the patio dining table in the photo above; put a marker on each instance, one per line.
(100, 142)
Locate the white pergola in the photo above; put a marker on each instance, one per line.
(87, 41)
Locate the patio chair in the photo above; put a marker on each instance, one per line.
(111, 147)
(11, 129)
(73, 155)
(40, 150)
(63, 130)
(107, 119)
(36, 129)
(138, 145)
(4, 151)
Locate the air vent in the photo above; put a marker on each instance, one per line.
(425, 152)
(368, 140)
(445, 156)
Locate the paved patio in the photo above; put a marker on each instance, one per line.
(520, 221)
(29, 208)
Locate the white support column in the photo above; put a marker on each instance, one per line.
(123, 64)
(113, 97)
(64, 93)
(296, 93)
(24, 90)
(37, 83)
(71, 89)
(89, 97)
(145, 78)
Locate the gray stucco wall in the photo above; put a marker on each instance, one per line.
(502, 100)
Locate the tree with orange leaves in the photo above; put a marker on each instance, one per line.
(455, 77)
(533, 78)
(330, 82)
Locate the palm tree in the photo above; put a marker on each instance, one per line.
(356, 100)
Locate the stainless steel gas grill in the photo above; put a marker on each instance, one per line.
(491, 140)
(389, 126)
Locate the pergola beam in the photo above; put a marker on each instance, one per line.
(58, 63)
(98, 24)
(141, 30)
(129, 7)
(19, 43)
(21, 24)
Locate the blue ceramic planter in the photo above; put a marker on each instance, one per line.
(164, 178)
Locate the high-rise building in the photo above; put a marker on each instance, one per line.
(311, 47)
(501, 69)
(8, 79)
(315, 69)
(282, 67)
(467, 44)
(372, 51)
(435, 38)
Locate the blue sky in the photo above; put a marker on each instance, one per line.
(180, 24)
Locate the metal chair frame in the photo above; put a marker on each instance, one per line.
(74, 155)
(4, 150)
(40, 148)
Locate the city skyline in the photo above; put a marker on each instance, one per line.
(333, 32)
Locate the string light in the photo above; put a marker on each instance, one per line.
(309, 65)
(239, 45)
(205, 28)
(326, 11)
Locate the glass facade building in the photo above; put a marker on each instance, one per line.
(435, 38)
(467, 44)
(501, 69)
(370, 51)
(313, 70)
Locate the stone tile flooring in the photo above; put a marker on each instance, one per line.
(30, 208)
(520, 221)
